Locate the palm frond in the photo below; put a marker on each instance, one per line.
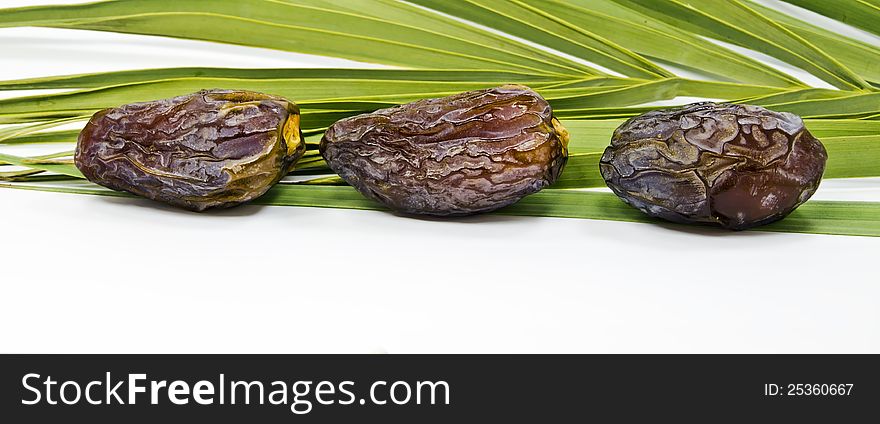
(616, 57)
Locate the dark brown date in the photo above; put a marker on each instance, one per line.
(463, 154)
(215, 148)
(737, 166)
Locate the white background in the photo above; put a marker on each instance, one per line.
(93, 274)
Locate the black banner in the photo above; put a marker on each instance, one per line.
(438, 388)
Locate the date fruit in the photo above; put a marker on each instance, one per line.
(463, 154)
(737, 166)
(211, 149)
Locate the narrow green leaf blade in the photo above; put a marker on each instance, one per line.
(427, 76)
(861, 57)
(64, 169)
(524, 21)
(735, 22)
(814, 217)
(290, 27)
(864, 14)
(654, 39)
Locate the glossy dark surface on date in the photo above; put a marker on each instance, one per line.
(463, 154)
(214, 148)
(736, 166)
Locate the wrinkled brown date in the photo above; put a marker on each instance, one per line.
(463, 154)
(214, 148)
(737, 166)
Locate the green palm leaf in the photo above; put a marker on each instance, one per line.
(641, 39)
(862, 58)
(864, 14)
(606, 23)
(523, 20)
(815, 217)
(735, 22)
(346, 92)
(108, 79)
(299, 28)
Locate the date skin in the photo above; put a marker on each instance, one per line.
(211, 149)
(735, 166)
(459, 155)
